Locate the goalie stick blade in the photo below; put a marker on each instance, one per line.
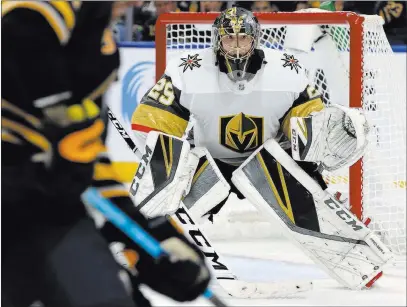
(244, 289)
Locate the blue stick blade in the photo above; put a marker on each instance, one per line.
(208, 294)
(117, 217)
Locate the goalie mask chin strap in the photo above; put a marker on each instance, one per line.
(239, 70)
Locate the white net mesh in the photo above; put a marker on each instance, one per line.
(384, 101)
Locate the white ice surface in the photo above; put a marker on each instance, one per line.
(276, 259)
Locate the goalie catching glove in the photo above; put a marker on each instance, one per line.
(335, 137)
(164, 175)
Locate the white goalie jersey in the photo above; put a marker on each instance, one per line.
(231, 119)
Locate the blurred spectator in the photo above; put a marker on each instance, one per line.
(394, 14)
(283, 6)
(286, 6)
(204, 6)
(339, 5)
(264, 6)
(118, 22)
(188, 6)
(119, 9)
(211, 6)
(314, 4)
(145, 13)
(144, 18)
(162, 7)
(244, 4)
(302, 5)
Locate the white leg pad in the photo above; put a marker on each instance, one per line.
(349, 252)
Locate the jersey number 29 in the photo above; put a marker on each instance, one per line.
(162, 92)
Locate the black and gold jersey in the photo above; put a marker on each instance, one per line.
(58, 58)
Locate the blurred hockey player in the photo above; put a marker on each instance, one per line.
(58, 59)
(242, 99)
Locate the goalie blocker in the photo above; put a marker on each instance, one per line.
(168, 173)
(342, 245)
(164, 175)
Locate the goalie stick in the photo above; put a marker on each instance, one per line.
(225, 278)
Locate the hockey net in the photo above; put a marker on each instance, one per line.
(356, 68)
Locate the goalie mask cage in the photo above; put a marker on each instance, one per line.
(358, 72)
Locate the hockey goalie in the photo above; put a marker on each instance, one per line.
(260, 131)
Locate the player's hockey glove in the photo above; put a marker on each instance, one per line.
(183, 275)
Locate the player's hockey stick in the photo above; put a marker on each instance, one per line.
(134, 231)
(225, 278)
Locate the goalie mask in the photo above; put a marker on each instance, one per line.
(235, 36)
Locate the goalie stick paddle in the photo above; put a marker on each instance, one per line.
(227, 281)
(133, 230)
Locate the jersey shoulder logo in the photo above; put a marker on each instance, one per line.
(241, 133)
(290, 61)
(190, 62)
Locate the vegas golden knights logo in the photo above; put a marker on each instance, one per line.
(241, 132)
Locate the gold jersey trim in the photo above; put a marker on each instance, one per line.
(59, 15)
(158, 119)
(302, 110)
